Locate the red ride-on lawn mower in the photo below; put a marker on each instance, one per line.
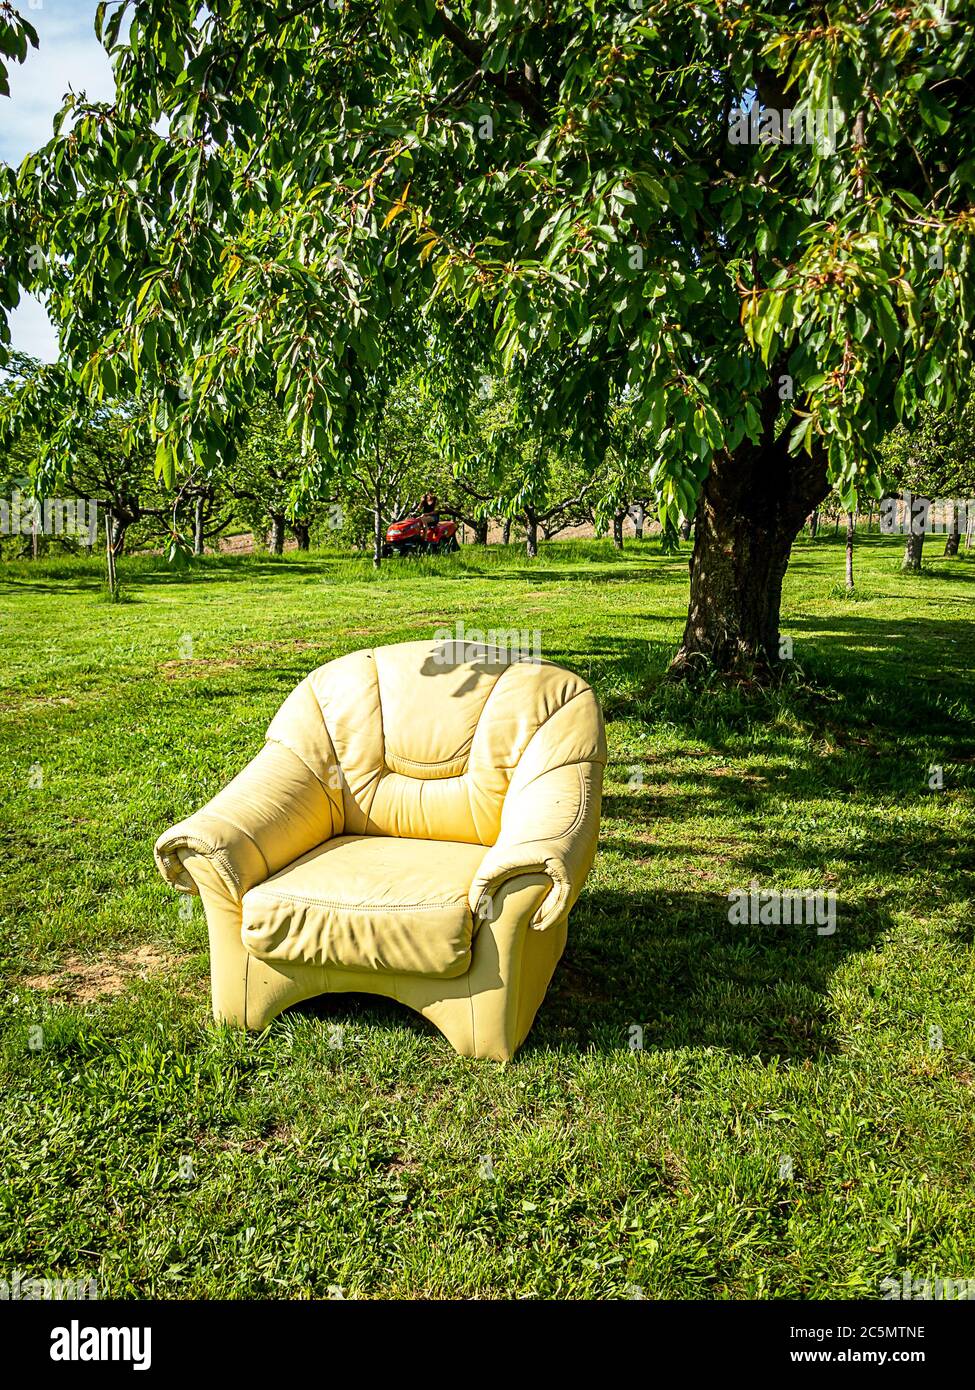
(419, 535)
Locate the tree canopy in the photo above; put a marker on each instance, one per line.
(273, 180)
(753, 221)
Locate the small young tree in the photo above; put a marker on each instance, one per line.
(851, 531)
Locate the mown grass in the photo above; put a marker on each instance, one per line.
(799, 1121)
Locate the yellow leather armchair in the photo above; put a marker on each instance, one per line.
(418, 824)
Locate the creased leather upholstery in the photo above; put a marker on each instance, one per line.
(369, 902)
(414, 813)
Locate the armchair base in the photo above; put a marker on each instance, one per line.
(485, 1013)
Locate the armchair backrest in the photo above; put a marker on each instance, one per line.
(424, 740)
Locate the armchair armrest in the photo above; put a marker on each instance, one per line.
(549, 826)
(274, 811)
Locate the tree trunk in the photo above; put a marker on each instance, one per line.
(275, 543)
(912, 552)
(618, 530)
(531, 534)
(954, 535)
(300, 532)
(919, 512)
(506, 531)
(198, 526)
(119, 529)
(685, 528)
(851, 531)
(752, 508)
(638, 520)
(110, 552)
(813, 523)
(377, 531)
(481, 532)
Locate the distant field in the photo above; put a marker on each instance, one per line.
(800, 1121)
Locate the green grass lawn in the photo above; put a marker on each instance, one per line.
(800, 1121)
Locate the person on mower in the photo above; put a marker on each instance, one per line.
(429, 513)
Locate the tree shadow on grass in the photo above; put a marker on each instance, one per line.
(623, 573)
(53, 586)
(214, 570)
(904, 647)
(831, 687)
(671, 962)
(673, 965)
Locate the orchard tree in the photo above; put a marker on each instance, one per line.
(266, 475)
(626, 478)
(934, 460)
(544, 488)
(17, 461)
(110, 466)
(512, 466)
(391, 463)
(466, 466)
(756, 219)
(203, 500)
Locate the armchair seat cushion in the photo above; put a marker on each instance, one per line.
(369, 902)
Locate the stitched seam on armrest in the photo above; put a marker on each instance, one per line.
(511, 851)
(572, 762)
(583, 803)
(382, 740)
(247, 836)
(196, 844)
(570, 829)
(221, 858)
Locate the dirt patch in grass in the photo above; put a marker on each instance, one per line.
(85, 980)
(299, 644)
(192, 668)
(278, 1136)
(243, 655)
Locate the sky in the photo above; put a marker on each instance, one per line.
(69, 57)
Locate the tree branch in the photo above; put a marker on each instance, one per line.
(515, 88)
